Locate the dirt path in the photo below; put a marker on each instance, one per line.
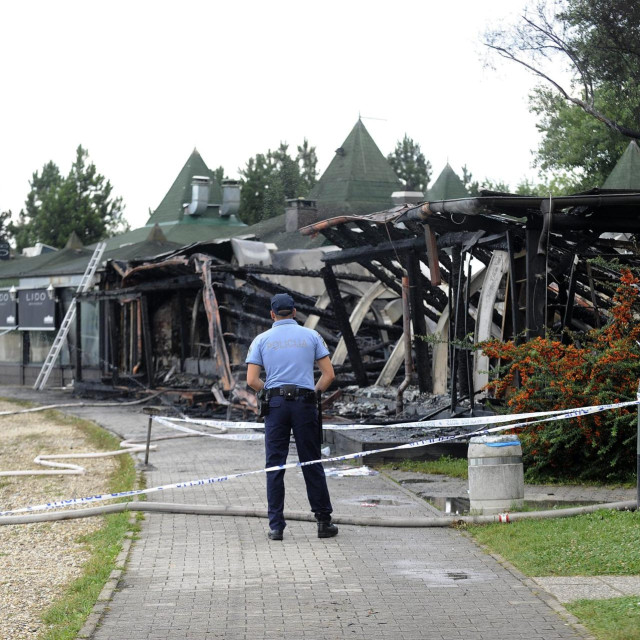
(37, 561)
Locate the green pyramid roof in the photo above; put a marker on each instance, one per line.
(358, 180)
(171, 209)
(448, 186)
(626, 173)
(178, 227)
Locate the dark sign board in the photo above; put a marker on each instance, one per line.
(8, 311)
(5, 250)
(37, 311)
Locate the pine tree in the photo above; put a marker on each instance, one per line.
(307, 161)
(269, 179)
(410, 165)
(81, 202)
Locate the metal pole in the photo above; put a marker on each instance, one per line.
(146, 453)
(468, 352)
(150, 411)
(638, 456)
(406, 337)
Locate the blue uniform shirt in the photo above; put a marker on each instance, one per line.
(287, 353)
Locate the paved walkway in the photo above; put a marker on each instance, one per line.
(198, 577)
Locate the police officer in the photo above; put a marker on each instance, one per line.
(287, 352)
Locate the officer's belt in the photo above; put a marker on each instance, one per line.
(290, 391)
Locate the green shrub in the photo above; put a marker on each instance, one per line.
(603, 368)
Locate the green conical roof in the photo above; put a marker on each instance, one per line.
(448, 186)
(626, 173)
(358, 180)
(73, 242)
(171, 209)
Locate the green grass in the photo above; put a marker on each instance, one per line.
(68, 615)
(615, 619)
(25, 404)
(602, 543)
(447, 466)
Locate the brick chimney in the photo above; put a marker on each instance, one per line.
(300, 213)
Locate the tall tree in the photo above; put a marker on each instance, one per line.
(5, 221)
(255, 178)
(410, 165)
(269, 179)
(81, 202)
(472, 186)
(586, 120)
(219, 174)
(574, 146)
(308, 162)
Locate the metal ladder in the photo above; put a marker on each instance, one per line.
(85, 285)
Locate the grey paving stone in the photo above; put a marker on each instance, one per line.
(219, 577)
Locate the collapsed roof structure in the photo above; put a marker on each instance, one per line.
(499, 265)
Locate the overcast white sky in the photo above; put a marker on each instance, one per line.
(140, 84)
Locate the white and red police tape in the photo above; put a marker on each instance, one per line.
(449, 422)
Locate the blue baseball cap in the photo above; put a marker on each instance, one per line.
(282, 302)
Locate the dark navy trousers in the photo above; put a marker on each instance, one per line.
(301, 417)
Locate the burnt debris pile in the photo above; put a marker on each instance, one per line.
(399, 296)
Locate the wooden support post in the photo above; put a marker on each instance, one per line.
(457, 267)
(571, 294)
(432, 256)
(423, 365)
(594, 299)
(513, 291)
(342, 317)
(182, 320)
(114, 339)
(468, 356)
(25, 356)
(104, 341)
(147, 345)
(536, 286)
(78, 358)
(126, 337)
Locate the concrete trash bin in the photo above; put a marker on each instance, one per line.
(496, 475)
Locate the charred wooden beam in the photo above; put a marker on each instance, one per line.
(368, 252)
(423, 365)
(376, 271)
(535, 286)
(606, 221)
(388, 263)
(267, 322)
(343, 321)
(515, 312)
(594, 299)
(114, 340)
(216, 339)
(305, 308)
(571, 294)
(78, 359)
(242, 272)
(182, 324)
(182, 282)
(147, 343)
(432, 256)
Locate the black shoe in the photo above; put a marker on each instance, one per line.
(275, 534)
(327, 530)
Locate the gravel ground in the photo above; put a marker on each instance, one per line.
(37, 561)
